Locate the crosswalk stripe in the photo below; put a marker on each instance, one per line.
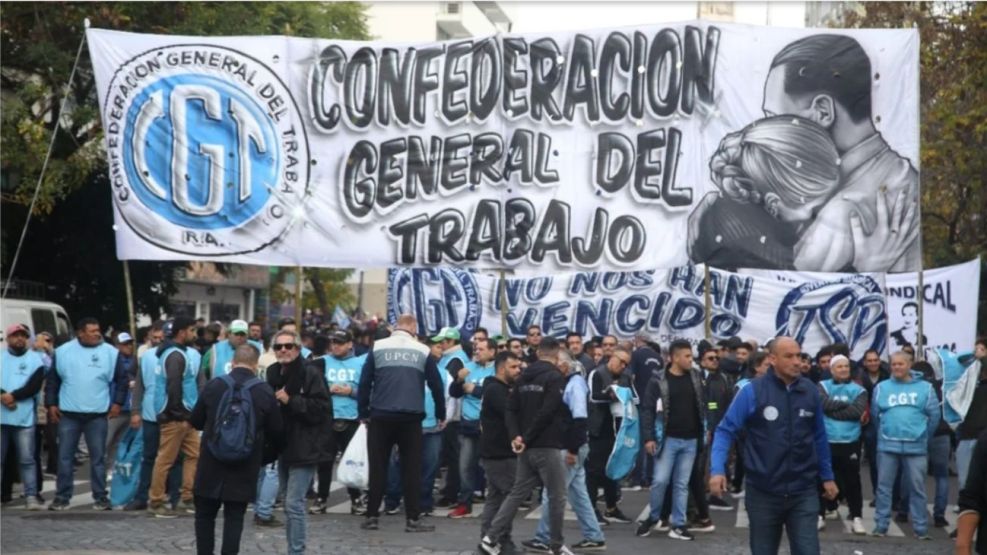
(535, 514)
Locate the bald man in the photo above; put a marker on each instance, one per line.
(392, 403)
(786, 453)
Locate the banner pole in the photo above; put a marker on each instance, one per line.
(920, 348)
(298, 298)
(130, 298)
(503, 304)
(708, 303)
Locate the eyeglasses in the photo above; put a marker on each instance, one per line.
(609, 344)
(534, 333)
(240, 333)
(283, 346)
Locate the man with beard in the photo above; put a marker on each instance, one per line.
(22, 376)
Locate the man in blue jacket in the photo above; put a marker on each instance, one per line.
(905, 411)
(391, 400)
(77, 395)
(786, 453)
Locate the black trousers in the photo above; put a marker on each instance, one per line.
(205, 525)
(382, 436)
(450, 460)
(596, 471)
(846, 468)
(340, 440)
(697, 483)
(738, 465)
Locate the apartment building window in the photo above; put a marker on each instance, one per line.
(722, 11)
(453, 8)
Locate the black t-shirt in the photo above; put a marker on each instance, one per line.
(683, 414)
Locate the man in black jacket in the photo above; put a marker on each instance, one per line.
(306, 408)
(230, 485)
(718, 392)
(496, 457)
(535, 422)
(604, 421)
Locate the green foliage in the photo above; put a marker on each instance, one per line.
(954, 124)
(326, 288)
(38, 45)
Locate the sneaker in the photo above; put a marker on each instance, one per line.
(417, 526)
(489, 546)
(319, 507)
(102, 505)
(661, 526)
(616, 515)
(833, 515)
(737, 491)
(371, 523)
(878, 533)
(135, 505)
(858, 526)
(590, 545)
(32, 504)
(461, 511)
(821, 523)
(680, 533)
(600, 518)
(392, 510)
(266, 522)
(185, 507)
(358, 507)
(161, 511)
(479, 496)
(940, 522)
(718, 504)
(644, 527)
(536, 546)
(900, 518)
(704, 526)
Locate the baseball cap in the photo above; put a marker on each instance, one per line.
(171, 327)
(124, 337)
(17, 328)
(447, 333)
(340, 336)
(239, 326)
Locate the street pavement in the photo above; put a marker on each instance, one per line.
(83, 530)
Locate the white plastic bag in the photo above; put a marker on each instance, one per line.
(354, 467)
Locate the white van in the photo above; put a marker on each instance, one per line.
(39, 316)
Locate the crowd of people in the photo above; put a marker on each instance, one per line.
(230, 417)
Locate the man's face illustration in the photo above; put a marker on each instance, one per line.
(777, 102)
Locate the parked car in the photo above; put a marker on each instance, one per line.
(39, 316)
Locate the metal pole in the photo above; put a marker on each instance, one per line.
(503, 304)
(920, 348)
(298, 297)
(130, 299)
(708, 303)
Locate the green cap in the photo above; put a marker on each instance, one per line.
(446, 333)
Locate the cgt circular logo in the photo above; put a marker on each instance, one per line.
(208, 153)
(849, 310)
(437, 297)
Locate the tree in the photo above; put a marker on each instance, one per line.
(953, 70)
(328, 288)
(67, 245)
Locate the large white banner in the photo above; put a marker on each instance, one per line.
(666, 304)
(611, 149)
(950, 308)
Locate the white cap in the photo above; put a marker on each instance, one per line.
(124, 337)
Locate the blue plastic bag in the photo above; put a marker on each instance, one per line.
(127, 470)
(628, 440)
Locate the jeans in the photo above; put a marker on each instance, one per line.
(205, 525)
(151, 434)
(537, 465)
(673, 463)
(500, 479)
(71, 427)
(299, 478)
(913, 482)
(939, 469)
(469, 468)
(579, 500)
(797, 514)
(22, 439)
(964, 452)
(431, 448)
(267, 491)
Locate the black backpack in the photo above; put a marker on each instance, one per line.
(235, 430)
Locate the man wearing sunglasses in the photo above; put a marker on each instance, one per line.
(534, 340)
(718, 393)
(306, 409)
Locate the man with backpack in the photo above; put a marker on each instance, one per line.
(235, 412)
